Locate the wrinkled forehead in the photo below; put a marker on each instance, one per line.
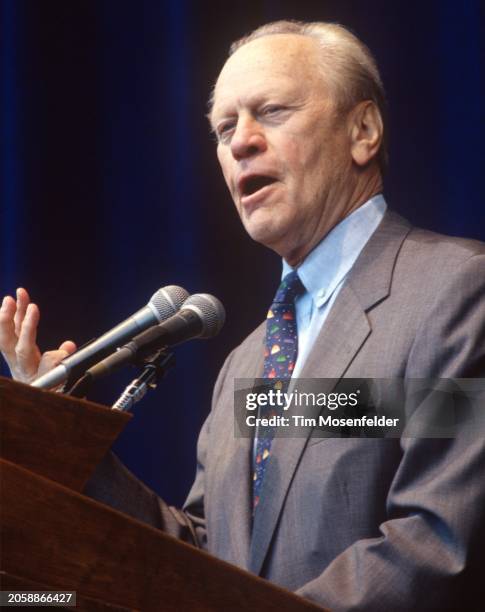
(291, 59)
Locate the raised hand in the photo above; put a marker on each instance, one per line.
(19, 320)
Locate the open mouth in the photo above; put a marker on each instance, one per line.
(254, 183)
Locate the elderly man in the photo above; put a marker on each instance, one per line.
(351, 523)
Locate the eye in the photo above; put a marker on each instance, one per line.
(224, 130)
(272, 109)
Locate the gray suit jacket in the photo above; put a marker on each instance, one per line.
(356, 523)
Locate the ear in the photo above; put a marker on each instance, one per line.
(366, 130)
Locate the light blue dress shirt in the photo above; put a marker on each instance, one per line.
(325, 269)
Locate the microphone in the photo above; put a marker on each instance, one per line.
(162, 305)
(201, 316)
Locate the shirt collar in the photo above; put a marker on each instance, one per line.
(330, 261)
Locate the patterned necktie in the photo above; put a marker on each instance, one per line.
(279, 361)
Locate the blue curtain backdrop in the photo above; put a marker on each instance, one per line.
(111, 189)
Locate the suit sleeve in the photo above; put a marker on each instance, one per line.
(433, 539)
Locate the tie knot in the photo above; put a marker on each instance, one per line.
(291, 286)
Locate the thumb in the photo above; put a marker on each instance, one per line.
(68, 346)
(51, 359)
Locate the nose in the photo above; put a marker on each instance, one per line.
(248, 139)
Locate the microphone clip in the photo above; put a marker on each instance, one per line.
(154, 369)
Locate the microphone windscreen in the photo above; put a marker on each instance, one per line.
(167, 301)
(210, 311)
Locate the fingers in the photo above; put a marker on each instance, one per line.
(23, 300)
(27, 351)
(19, 320)
(8, 337)
(18, 330)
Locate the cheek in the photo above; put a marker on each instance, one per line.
(304, 152)
(309, 161)
(305, 172)
(295, 161)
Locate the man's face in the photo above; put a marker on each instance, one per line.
(283, 149)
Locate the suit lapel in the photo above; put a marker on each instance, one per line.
(343, 335)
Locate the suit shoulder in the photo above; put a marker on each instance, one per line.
(424, 245)
(433, 260)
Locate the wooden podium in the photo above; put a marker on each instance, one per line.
(54, 538)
